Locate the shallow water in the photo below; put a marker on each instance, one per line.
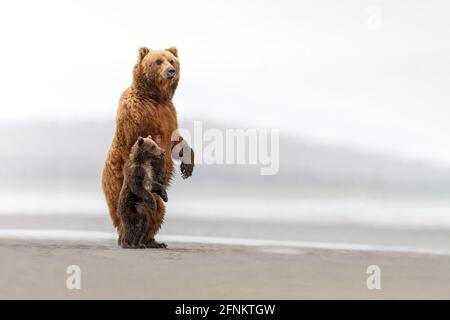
(340, 222)
(319, 210)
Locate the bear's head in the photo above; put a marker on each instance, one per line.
(157, 72)
(146, 149)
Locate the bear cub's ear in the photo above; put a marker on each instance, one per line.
(158, 139)
(173, 50)
(140, 141)
(143, 51)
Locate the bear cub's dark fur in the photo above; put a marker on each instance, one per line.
(143, 172)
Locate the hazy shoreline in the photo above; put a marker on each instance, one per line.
(419, 239)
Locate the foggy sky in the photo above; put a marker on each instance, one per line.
(317, 69)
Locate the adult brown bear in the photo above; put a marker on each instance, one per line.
(146, 108)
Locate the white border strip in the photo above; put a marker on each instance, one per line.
(81, 235)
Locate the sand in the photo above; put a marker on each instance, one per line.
(36, 269)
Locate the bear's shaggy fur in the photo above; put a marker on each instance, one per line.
(135, 199)
(146, 108)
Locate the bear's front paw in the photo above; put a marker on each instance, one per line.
(164, 195)
(186, 170)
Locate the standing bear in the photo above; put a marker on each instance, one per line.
(146, 108)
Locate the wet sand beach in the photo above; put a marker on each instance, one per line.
(36, 269)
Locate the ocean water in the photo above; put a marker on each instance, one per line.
(273, 221)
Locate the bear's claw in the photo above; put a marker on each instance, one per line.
(186, 170)
(154, 244)
(164, 195)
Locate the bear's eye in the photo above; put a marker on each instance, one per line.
(171, 61)
(159, 62)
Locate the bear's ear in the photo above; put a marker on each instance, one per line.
(149, 136)
(143, 51)
(173, 50)
(140, 141)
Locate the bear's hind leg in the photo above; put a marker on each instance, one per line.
(112, 179)
(145, 225)
(131, 229)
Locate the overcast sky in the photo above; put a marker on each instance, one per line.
(370, 74)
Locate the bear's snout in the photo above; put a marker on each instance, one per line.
(171, 72)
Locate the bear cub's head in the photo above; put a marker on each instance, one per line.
(157, 71)
(146, 149)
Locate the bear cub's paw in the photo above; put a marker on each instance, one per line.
(164, 195)
(156, 245)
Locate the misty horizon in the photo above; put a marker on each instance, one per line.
(77, 149)
(326, 75)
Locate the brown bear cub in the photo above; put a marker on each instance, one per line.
(143, 173)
